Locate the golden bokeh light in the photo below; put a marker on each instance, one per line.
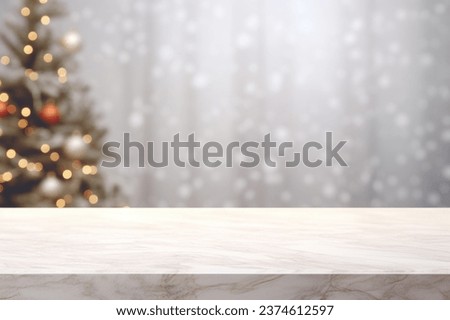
(54, 156)
(87, 170)
(25, 11)
(22, 124)
(23, 163)
(45, 148)
(48, 57)
(7, 176)
(67, 174)
(62, 72)
(32, 36)
(11, 154)
(45, 20)
(26, 112)
(60, 203)
(31, 166)
(93, 199)
(38, 166)
(28, 49)
(34, 76)
(87, 138)
(4, 97)
(5, 60)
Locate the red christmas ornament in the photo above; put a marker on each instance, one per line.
(50, 114)
(4, 112)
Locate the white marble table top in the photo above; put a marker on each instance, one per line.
(225, 241)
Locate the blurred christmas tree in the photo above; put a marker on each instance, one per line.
(49, 142)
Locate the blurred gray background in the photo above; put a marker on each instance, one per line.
(376, 73)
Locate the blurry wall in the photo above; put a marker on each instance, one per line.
(376, 73)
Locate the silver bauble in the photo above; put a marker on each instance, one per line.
(71, 41)
(75, 148)
(51, 187)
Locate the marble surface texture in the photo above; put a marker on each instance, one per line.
(224, 287)
(225, 254)
(225, 241)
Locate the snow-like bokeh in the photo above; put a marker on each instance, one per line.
(376, 73)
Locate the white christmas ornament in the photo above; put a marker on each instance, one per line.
(51, 187)
(72, 40)
(75, 147)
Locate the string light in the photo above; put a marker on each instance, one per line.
(54, 156)
(38, 166)
(25, 11)
(11, 154)
(5, 60)
(26, 112)
(45, 148)
(4, 97)
(62, 72)
(87, 138)
(48, 57)
(87, 170)
(45, 20)
(43, 1)
(60, 203)
(23, 163)
(28, 49)
(71, 41)
(7, 176)
(22, 124)
(32, 36)
(33, 76)
(93, 199)
(67, 174)
(31, 166)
